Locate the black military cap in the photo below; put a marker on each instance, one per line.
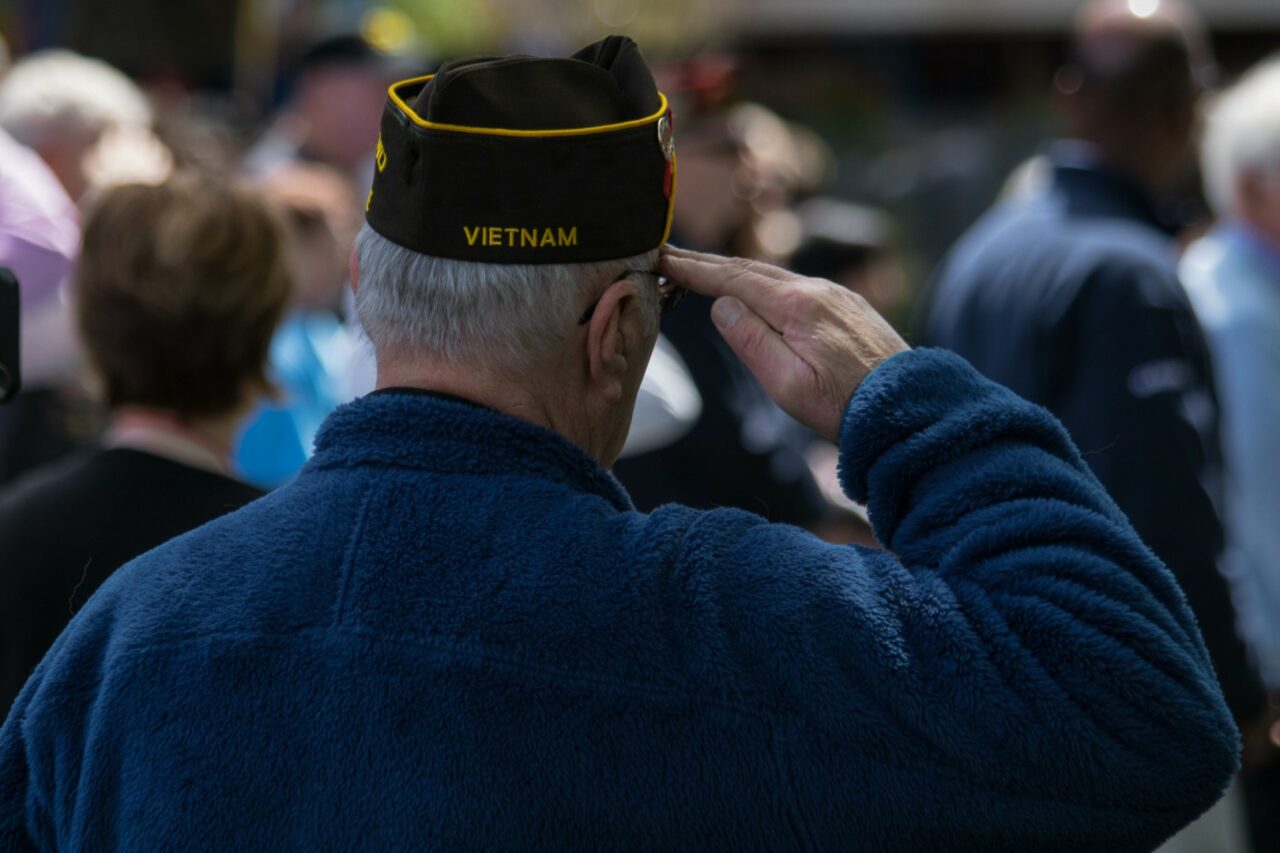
(520, 159)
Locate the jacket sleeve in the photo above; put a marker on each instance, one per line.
(1139, 401)
(1015, 664)
(17, 798)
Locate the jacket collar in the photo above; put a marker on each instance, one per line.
(1089, 187)
(426, 431)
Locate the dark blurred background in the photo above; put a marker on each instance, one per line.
(926, 105)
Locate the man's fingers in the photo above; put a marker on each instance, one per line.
(723, 277)
(681, 252)
(709, 278)
(758, 267)
(808, 342)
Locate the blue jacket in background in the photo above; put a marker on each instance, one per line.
(1071, 298)
(452, 631)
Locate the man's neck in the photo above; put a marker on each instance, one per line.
(1096, 184)
(544, 394)
(1109, 156)
(470, 384)
(518, 397)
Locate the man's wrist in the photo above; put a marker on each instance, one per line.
(904, 394)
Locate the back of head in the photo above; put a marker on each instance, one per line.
(1132, 59)
(57, 93)
(1133, 80)
(508, 191)
(342, 80)
(1242, 137)
(180, 288)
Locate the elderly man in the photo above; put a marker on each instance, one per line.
(453, 631)
(1233, 278)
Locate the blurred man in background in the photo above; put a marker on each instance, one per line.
(1071, 298)
(1233, 278)
(180, 288)
(331, 117)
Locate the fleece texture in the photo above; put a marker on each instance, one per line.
(452, 631)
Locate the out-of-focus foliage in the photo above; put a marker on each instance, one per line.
(450, 27)
(663, 27)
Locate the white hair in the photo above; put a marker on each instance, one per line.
(53, 93)
(503, 314)
(1242, 135)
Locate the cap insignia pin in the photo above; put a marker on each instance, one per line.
(666, 138)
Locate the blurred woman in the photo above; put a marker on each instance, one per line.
(180, 288)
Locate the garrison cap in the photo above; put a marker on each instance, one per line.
(521, 159)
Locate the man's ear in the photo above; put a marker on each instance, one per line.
(607, 339)
(353, 269)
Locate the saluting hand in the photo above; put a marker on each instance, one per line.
(809, 342)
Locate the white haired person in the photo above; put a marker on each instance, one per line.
(1233, 278)
(87, 120)
(68, 125)
(454, 631)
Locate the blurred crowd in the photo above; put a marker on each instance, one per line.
(188, 322)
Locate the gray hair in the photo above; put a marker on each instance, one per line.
(1243, 134)
(55, 92)
(504, 314)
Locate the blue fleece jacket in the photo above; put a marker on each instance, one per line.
(452, 631)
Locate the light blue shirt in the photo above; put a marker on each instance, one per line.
(1233, 278)
(310, 356)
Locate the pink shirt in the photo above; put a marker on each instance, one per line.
(39, 224)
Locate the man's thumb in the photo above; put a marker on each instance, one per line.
(726, 311)
(761, 349)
